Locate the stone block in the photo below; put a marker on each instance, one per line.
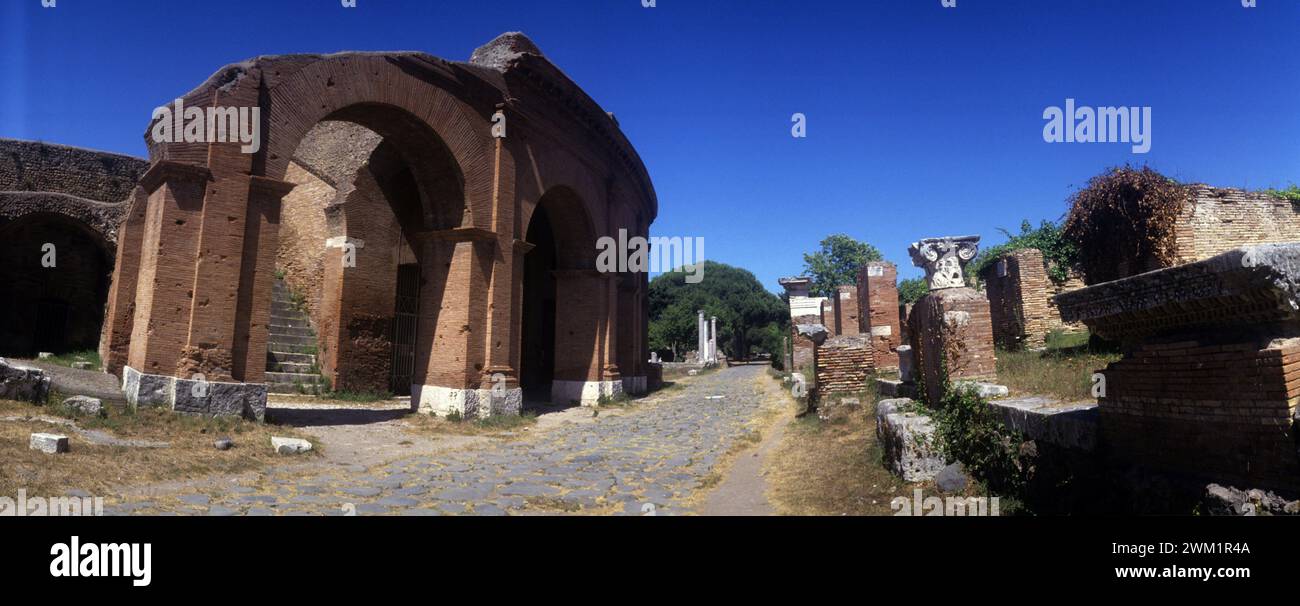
(286, 446)
(1068, 425)
(908, 439)
(85, 405)
(24, 383)
(49, 443)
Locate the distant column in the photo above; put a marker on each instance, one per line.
(701, 339)
(713, 339)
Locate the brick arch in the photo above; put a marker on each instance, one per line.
(571, 221)
(343, 87)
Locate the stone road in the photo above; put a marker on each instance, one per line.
(653, 457)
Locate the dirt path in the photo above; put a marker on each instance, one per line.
(743, 489)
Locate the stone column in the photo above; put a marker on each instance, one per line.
(713, 340)
(701, 339)
(954, 330)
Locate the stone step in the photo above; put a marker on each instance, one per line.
(291, 367)
(284, 309)
(289, 357)
(290, 322)
(293, 378)
(292, 388)
(291, 331)
(292, 340)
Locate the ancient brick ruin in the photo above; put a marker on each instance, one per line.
(73, 199)
(389, 160)
(1210, 379)
(804, 310)
(878, 299)
(1020, 295)
(950, 327)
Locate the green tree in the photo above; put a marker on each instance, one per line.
(837, 263)
(751, 319)
(912, 289)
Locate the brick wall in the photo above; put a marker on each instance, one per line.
(802, 346)
(879, 317)
(843, 365)
(1219, 219)
(1208, 406)
(1020, 299)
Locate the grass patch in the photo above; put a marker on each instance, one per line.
(356, 396)
(1063, 370)
(833, 467)
(67, 359)
(98, 469)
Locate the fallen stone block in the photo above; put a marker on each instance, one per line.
(984, 390)
(49, 443)
(223, 444)
(82, 365)
(85, 405)
(1044, 419)
(895, 389)
(908, 439)
(1228, 501)
(24, 383)
(290, 445)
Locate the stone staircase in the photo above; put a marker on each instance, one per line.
(290, 356)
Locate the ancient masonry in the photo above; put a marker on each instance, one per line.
(53, 299)
(1020, 295)
(879, 311)
(951, 327)
(438, 218)
(1210, 379)
(804, 310)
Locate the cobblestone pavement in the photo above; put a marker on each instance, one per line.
(655, 456)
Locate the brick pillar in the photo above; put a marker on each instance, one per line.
(847, 310)
(115, 342)
(168, 256)
(453, 308)
(953, 334)
(878, 297)
(579, 328)
(257, 278)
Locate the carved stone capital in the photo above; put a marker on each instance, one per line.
(944, 259)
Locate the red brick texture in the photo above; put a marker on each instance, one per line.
(844, 365)
(1219, 408)
(952, 331)
(847, 310)
(878, 298)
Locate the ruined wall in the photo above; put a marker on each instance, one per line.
(802, 346)
(844, 365)
(1020, 299)
(85, 173)
(952, 331)
(1219, 219)
(878, 296)
(303, 231)
(1218, 406)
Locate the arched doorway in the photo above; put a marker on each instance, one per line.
(55, 279)
(563, 302)
(372, 183)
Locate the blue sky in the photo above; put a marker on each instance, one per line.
(922, 120)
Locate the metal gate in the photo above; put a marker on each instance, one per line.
(405, 320)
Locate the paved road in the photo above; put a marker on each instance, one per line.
(651, 457)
